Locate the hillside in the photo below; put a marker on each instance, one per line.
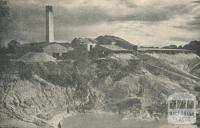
(187, 64)
(183, 62)
(108, 39)
(193, 45)
(35, 93)
(39, 92)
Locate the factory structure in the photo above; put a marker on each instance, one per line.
(50, 46)
(49, 25)
(93, 48)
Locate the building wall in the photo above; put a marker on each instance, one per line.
(90, 47)
(99, 51)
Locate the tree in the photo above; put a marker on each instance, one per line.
(13, 46)
(180, 47)
(193, 45)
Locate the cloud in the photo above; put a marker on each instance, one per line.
(193, 21)
(91, 11)
(197, 1)
(139, 21)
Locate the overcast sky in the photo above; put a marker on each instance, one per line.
(142, 22)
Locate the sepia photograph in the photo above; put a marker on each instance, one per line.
(99, 63)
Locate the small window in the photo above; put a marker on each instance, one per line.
(181, 104)
(173, 104)
(91, 47)
(190, 104)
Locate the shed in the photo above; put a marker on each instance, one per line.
(55, 50)
(36, 57)
(84, 43)
(104, 50)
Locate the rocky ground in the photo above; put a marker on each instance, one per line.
(33, 93)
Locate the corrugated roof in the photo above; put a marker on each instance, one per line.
(113, 47)
(124, 56)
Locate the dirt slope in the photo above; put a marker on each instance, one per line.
(36, 92)
(184, 62)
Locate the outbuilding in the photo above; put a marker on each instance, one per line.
(105, 50)
(55, 50)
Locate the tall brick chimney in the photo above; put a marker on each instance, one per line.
(49, 24)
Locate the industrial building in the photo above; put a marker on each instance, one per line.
(105, 50)
(164, 50)
(57, 50)
(100, 47)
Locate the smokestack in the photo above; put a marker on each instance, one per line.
(49, 24)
